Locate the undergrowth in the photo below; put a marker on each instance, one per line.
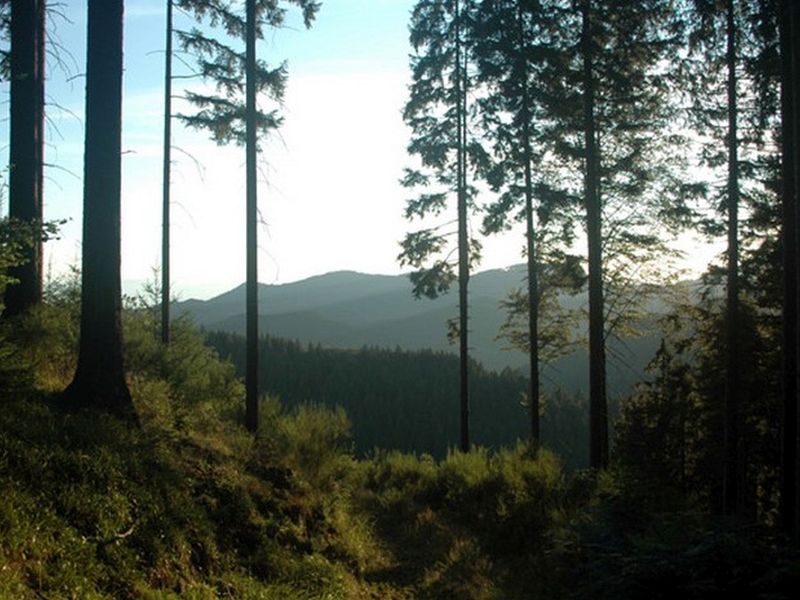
(189, 505)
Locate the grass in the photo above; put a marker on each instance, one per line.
(189, 505)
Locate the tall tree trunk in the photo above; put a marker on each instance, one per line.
(790, 279)
(732, 485)
(598, 405)
(251, 309)
(26, 151)
(165, 201)
(41, 64)
(100, 379)
(530, 233)
(463, 238)
(795, 133)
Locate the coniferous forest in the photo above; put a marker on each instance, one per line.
(142, 456)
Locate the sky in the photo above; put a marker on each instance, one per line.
(328, 192)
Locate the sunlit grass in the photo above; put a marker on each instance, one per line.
(190, 505)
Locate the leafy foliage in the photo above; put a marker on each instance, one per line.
(15, 237)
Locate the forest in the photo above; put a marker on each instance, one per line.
(142, 456)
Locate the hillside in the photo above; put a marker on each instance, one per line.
(187, 504)
(345, 309)
(406, 400)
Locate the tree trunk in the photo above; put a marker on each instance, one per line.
(598, 406)
(790, 264)
(732, 484)
(463, 238)
(530, 233)
(165, 206)
(251, 309)
(26, 152)
(795, 133)
(100, 379)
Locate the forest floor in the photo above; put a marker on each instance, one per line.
(187, 504)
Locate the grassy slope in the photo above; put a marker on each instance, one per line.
(188, 505)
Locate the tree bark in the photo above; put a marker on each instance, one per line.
(598, 406)
(26, 152)
(530, 234)
(100, 378)
(732, 484)
(166, 167)
(463, 239)
(251, 309)
(790, 274)
(795, 61)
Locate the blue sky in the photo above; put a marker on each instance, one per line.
(329, 191)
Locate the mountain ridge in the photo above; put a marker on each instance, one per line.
(349, 309)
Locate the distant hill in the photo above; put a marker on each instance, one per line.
(345, 309)
(408, 400)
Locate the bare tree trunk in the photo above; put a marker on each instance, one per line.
(795, 62)
(100, 378)
(789, 29)
(598, 405)
(165, 206)
(463, 239)
(530, 233)
(732, 485)
(790, 264)
(795, 137)
(26, 151)
(251, 372)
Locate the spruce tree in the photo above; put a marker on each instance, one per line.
(512, 49)
(438, 114)
(606, 98)
(730, 86)
(229, 117)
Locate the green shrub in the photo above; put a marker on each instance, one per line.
(313, 440)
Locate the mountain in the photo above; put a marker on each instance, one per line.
(345, 309)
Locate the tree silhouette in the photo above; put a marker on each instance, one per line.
(166, 172)
(725, 47)
(513, 50)
(789, 27)
(228, 118)
(437, 112)
(606, 102)
(99, 380)
(251, 144)
(26, 154)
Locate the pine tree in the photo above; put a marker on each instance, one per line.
(512, 48)
(228, 118)
(728, 66)
(99, 380)
(606, 98)
(729, 87)
(437, 112)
